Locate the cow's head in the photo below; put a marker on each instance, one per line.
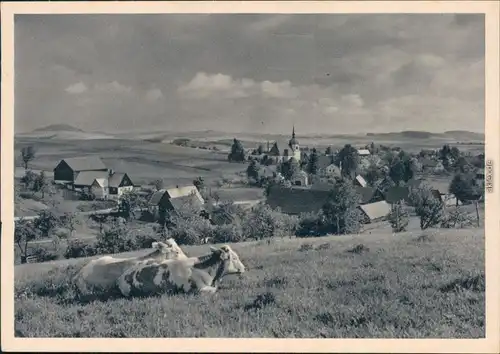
(169, 248)
(231, 261)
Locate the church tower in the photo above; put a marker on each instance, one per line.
(294, 146)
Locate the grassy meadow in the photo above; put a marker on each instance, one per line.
(414, 284)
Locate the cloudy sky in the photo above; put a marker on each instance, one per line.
(334, 73)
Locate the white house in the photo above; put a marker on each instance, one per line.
(99, 188)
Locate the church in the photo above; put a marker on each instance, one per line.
(293, 151)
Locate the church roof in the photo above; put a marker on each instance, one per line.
(293, 140)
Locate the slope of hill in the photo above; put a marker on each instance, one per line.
(58, 127)
(413, 285)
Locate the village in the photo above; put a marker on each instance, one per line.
(296, 182)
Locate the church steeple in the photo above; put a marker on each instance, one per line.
(293, 131)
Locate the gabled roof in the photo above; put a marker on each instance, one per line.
(376, 210)
(179, 202)
(101, 182)
(362, 182)
(156, 197)
(363, 152)
(86, 178)
(297, 200)
(324, 161)
(396, 194)
(116, 179)
(85, 163)
(366, 193)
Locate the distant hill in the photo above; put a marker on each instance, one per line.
(459, 135)
(464, 135)
(58, 128)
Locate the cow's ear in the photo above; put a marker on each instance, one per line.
(214, 249)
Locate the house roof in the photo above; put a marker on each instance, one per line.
(174, 193)
(438, 184)
(297, 200)
(85, 163)
(116, 179)
(396, 194)
(102, 182)
(324, 161)
(222, 218)
(362, 182)
(179, 202)
(86, 178)
(366, 193)
(363, 152)
(426, 162)
(376, 210)
(156, 197)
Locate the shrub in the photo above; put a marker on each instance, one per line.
(115, 239)
(399, 217)
(312, 224)
(227, 233)
(43, 255)
(78, 248)
(264, 222)
(456, 218)
(187, 226)
(428, 208)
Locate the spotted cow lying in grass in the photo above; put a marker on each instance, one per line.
(102, 274)
(181, 275)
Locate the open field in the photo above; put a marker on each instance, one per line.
(380, 285)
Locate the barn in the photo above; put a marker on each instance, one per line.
(67, 170)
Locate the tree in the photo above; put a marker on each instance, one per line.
(398, 217)
(260, 149)
(253, 171)
(115, 239)
(29, 179)
(40, 184)
(466, 188)
(341, 209)
(397, 170)
(46, 221)
(70, 221)
(187, 225)
(289, 168)
(25, 232)
(28, 155)
(348, 159)
(264, 223)
(237, 153)
(199, 183)
(129, 203)
(373, 174)
(329, 151)
(313, 164)
(428, 208)
(158, 184)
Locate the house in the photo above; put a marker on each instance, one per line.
(297, 200)
(374, 212)
(85, 179)
(369, 195)
(333, 170)
(323, 162)
(360, 181)
(428, 164)
(119, 183)
(363, 152)
(99, 188)
(67, 170)
(171, 199)
(300, 178)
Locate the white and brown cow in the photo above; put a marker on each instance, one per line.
(101, 274)
(181, 275)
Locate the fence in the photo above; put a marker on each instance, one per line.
(31, 259)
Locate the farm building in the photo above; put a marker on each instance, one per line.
(297, 200)
(323, 162)
(170, 199)
(119, 183)
(360, 181)
(333, 170)
(364, 152)
(369, 195)
(99, 188)
(67, 170)
(85, 179)
(375, 211)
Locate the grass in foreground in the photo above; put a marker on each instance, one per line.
(350, 286)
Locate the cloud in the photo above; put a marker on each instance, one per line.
(329, 73)
(77, 88)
